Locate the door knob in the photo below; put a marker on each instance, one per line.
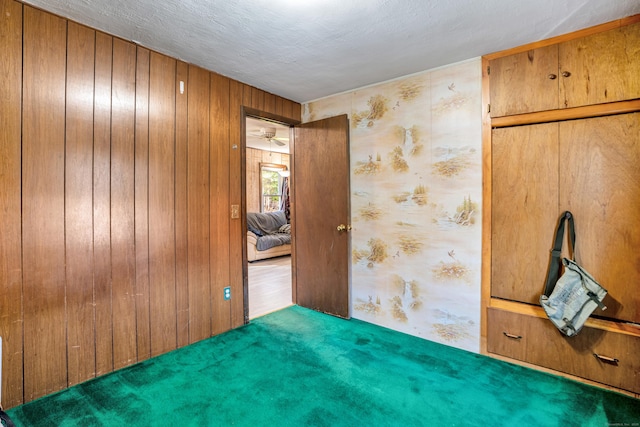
(343, 227)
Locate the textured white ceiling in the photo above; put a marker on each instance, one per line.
(308, 49)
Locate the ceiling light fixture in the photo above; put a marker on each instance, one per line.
(268, 132)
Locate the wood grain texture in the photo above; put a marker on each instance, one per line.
(102, 204)
(527, 75)
(279, 106)
(270, 103)
(600, 185)
(592, 322)
(198, 205)
(45, 355)
(10, 202)
(245, 96)
(143, 331)
(240, 95)
(524, 200)
(257, 99)
(162, 251)
(602, 68)
(598, 128)
(181, 191)
(586, 111)
(506, 337)
(573, 355)
(219, 199)
(116, 196)
(81, 360)
(288, 109)
(321, 149)
(487, 194)
(123, 273)
(296, 111)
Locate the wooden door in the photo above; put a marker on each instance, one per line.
(601, 68)
(524, 209)
(600, 185)
(320, 204)
(524, 82)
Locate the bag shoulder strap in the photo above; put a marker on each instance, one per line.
(554, 264)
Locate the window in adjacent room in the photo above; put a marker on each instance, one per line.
(271, 180)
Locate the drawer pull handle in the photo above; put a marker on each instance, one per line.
(552, 76)
(566, 74)
(606, 358)
(512, 336)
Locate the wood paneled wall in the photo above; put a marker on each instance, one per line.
(115, 190)
(253, 159)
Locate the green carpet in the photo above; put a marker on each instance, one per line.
(297, 367)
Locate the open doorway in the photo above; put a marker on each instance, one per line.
(267, 166)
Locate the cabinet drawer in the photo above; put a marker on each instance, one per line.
(535, 340)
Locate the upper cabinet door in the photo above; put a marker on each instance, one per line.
(604, 67)
(524, 82)
(601, 68)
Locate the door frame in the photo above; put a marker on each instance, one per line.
(259, 114)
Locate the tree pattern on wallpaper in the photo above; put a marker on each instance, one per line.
(416, 183)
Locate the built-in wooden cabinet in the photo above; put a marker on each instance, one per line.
(595, 354)
(596, 69)
(542, 164)
(587, 166)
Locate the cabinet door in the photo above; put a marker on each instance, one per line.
(600, 184)
(524, 82)
(524, 209)
(604, 67)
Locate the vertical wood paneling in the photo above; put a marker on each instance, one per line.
(45, 360)
(257, 99)
(269, 103)
(79, 203)
(162, 250)
(296, 111)
(122, 203)
(240, 96)
(182, 287)
(287, 108)
(116, 190)
(220, 201)
(10, 185)
(102, 204)
(143, 332)
(279, 106)
(245, 96)
(198, 206)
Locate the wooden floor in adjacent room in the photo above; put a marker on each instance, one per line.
(269, 285)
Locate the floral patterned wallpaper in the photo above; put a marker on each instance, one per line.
(416, 193)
